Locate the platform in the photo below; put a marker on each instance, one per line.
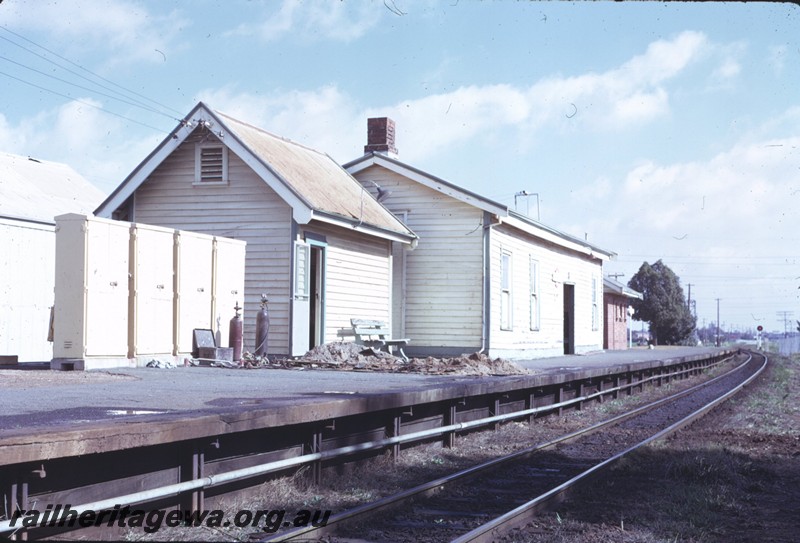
(72, 413)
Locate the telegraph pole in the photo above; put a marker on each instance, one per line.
(717, 322)
(785, 317)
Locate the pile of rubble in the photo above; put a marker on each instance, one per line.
(351, 357)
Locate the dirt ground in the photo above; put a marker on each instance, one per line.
(734, 476)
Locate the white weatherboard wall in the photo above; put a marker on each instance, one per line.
(556, 266)
(357, 274)
(438, 285)
(26, 288)
(127, 293)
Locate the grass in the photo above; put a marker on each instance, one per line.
(731, 477)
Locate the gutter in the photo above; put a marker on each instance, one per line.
(408, 238)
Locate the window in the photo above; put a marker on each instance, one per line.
(595, 308)
(211, 164)
(505, 292)
(302, 270)
(534, 294)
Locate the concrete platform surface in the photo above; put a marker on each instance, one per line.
(36, 399)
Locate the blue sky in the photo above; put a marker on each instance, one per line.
(658, 131)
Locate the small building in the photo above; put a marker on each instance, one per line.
(32, 193)
(318, 244)
(616, 303)
(484, 277)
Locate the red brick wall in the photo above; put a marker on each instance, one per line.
(616, 322)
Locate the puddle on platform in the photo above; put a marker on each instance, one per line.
(124, 412)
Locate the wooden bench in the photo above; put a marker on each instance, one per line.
(374, 333)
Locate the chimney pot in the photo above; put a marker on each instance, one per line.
(380, 136)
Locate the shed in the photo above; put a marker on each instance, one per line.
(318, 244)
(32, 193)
(616, 301)
(484, 277)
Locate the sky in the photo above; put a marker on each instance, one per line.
(654, 130)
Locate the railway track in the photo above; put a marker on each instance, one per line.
(488, 500)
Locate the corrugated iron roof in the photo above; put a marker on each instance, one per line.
(314, 176)
(615, 287)
(38, 190)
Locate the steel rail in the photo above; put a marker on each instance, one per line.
(523, 514)
(431, 486)
(270, 467)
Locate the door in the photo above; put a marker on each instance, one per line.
(107, 289)
(316, 335)
(301, 299)
(569, 319)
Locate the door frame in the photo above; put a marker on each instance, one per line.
(316, 334)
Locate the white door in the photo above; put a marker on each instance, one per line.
(301, 298)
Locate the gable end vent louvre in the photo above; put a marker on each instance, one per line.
(211, 164)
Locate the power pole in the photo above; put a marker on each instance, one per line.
(717, 322)
(689, 302)
(785, 317)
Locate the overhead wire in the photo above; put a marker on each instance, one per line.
(93, 74)
(123, 97)
(83, 102)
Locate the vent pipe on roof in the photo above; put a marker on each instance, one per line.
(380, 136)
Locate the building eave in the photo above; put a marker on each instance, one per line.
(547, 233)
(425, 179)
(358, 226)
(301, 209)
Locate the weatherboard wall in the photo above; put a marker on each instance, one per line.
(556, 267)
(244, 208)
(438, 293)
(357, 277)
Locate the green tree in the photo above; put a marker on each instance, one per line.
(663, 305)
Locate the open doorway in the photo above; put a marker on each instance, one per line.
(316, 325)
(569, 319)
(308, 300)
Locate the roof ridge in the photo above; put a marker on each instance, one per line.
(271, 134)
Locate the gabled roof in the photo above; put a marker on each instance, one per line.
(311, 182)
(613, 286)
(37, 190)
(503, 213)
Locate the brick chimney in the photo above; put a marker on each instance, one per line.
(380, 136)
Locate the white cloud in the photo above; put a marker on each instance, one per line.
(728, 69)
(663, 60)
(721, 223)
(316, 20)
(97, 146)
(325, 119)
(328, 119)
(124, 29)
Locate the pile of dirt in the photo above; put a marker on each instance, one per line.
(351, 357)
